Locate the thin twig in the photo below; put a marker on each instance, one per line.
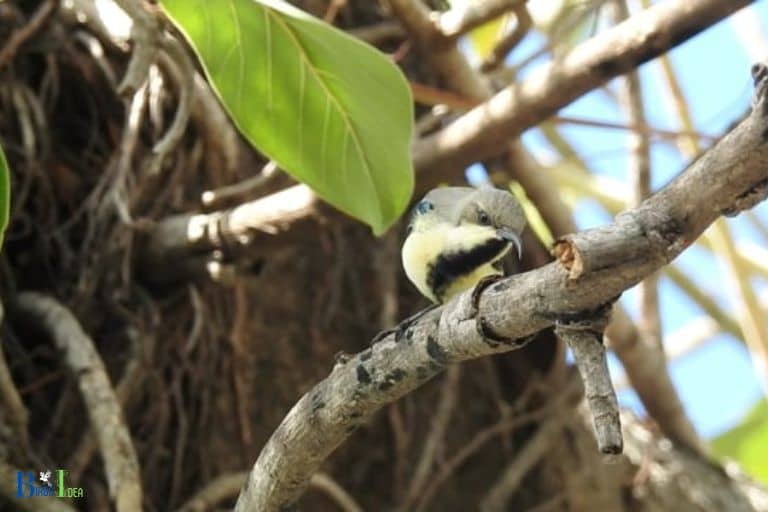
(227, 486)
(752, 320)
(484, 131)
(631, 98)
(703, 299)
(214, 492)
(145, 33)
(179, 67)
(334, 7)
(103, 409)
(378, 33)
(324, 483)
(17, 414)
(131, 378)
(532, 451)
(242, 189)
(640, 129)
(440, 421)
(572, 392)
(21, 36)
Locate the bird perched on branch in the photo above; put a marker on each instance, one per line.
(459, 236)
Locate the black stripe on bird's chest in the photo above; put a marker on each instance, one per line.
(446, 268)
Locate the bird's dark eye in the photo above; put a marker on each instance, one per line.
(483, 218)
(423, 207)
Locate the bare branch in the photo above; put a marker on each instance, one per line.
(19, 37)
(104, 412)
(243, 189)
(327, 485)
(17, 414)
(436, 437)
(227, 486)
(251, 224)
(145, 33)
(594, 267)
(585, 337)
(179, 66)
(569, 395)
(217, 490)
(533, 450)
(483, 132)
(378, 33)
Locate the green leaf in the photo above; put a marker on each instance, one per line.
(5, 195)
(747, 443)
(330, 110)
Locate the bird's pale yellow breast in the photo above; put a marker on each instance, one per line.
(423, 247)
(420, 249)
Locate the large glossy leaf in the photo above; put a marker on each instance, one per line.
(330, 110)
(5, 194)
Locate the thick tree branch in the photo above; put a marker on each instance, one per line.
(593, 268)
(177, 241)
(483, 132)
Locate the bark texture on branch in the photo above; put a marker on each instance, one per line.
(585, 337)
(593, 268)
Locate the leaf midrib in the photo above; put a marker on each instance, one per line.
(350, 127)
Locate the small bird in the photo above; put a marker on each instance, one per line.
(458, 236)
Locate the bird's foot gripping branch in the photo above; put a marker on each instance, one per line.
(486, 331)
(592, 268)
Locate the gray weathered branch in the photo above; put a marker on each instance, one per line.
(585, 337)
(104, 412)
(593, 267)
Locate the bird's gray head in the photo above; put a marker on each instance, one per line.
(458, 236)
(486, 207)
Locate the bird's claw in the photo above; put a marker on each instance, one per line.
(483, 328)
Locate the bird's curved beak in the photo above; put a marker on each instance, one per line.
(513, 238)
